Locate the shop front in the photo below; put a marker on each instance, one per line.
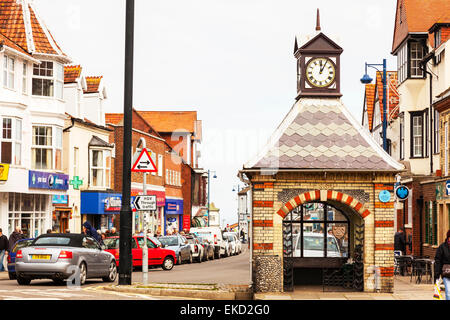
(100, 209)
(174, 215)
(41, 212)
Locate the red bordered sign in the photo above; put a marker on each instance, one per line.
(144, 163)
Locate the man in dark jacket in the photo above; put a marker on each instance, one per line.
(441, 258)
(14, 237)
(90, 231)
(3, 248)
(400, 241)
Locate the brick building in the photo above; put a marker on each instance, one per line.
(321, 189)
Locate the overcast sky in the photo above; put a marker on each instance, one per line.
(230, 60)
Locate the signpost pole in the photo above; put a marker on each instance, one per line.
(144, 247)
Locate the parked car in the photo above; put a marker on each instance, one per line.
(59, 256)
(196, 248)
(181, 247)
(214, 235)
(157, 255)
(12, 256)
(208, 248)
(236, 246)
(314, 246)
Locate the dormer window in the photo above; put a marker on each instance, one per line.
(409, 57)
(48, 79)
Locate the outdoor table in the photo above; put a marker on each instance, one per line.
(404, 262)
(429, 268)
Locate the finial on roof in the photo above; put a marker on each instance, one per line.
(318, 21)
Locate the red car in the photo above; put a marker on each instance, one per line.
(157, 256)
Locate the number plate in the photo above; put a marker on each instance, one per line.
(40, 257)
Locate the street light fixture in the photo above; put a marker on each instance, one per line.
(366, 79)
(209, 181)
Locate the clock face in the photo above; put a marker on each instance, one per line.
(320, 72)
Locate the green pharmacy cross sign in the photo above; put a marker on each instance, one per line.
(76, 182)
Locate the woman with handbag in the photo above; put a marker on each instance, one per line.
(442, 264)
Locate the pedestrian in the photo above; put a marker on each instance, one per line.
(3, 248)
(67, 231)
(103, 236)
(107, 233)
(49, 231)
(400, 241)
(242, 235)
(442, 264)
(14, 237)
(90, 231)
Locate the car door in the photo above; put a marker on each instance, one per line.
(136, 253)
(184, 247)
(90, 253)
(155, 254)
(104, 259)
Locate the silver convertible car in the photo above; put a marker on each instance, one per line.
(61, 257)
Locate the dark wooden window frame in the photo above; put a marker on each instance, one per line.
(424, 115)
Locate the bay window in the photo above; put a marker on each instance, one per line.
(46, 151)
(11, 141)
(100, 168)
(8, 72)
(409, 57)
(48, 79)
(417, 53)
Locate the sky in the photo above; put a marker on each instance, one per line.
(230, 60)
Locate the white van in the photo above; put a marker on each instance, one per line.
(214, 236)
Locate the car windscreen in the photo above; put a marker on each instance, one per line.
(316, 244)
(21, 244)
(52, 241)
(205, 235)
(111, 243)
(169, 241)
(230, 238)
(155, 241)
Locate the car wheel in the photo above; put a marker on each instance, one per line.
(213, 256)
(112, 275)
(167, 263)
(83, 273)
(199, 258)
(12, 275)
(23, 281)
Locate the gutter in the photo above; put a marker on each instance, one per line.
(71, 126)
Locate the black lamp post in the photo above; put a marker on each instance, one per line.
(366, 79)
(125, 267)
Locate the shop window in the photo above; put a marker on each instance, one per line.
(26, 211)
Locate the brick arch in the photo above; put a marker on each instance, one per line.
(319, 195)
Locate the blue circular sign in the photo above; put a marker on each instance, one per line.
(384, 196)
(402, 193)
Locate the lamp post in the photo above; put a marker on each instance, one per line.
(238, 187)
(366, 79)
(209, 181)
(125, 212)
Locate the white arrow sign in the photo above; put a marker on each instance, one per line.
(145, 203)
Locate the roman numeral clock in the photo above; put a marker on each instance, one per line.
(318, 72)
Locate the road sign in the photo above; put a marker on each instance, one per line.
(145, 203)
(402, 193)
(144, 163)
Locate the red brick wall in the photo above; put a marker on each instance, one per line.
(186, 189)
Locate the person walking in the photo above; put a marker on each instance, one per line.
(90, 231)
(3, 248)
(14, 237)
(113, 232)
(400, 241)
(442, 264)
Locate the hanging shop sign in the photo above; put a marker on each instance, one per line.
(113, 204)
(47, 180)
(402, 193)
(4, 171)
(58, 200)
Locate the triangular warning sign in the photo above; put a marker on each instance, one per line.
(144, 163)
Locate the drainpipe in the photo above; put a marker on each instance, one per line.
(423, 63)
(71, 126)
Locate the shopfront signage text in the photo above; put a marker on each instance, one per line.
(4, 171)
(47, 180)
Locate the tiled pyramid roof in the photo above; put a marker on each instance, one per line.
(8, 42)
(322, 134)
(20, 22)
(71, 73)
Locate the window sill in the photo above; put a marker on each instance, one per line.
(10, 89)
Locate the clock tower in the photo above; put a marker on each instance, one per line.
(318, 66)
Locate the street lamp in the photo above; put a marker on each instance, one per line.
(215, 177)
(366, 79)
(125, 270)
(239, 214)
